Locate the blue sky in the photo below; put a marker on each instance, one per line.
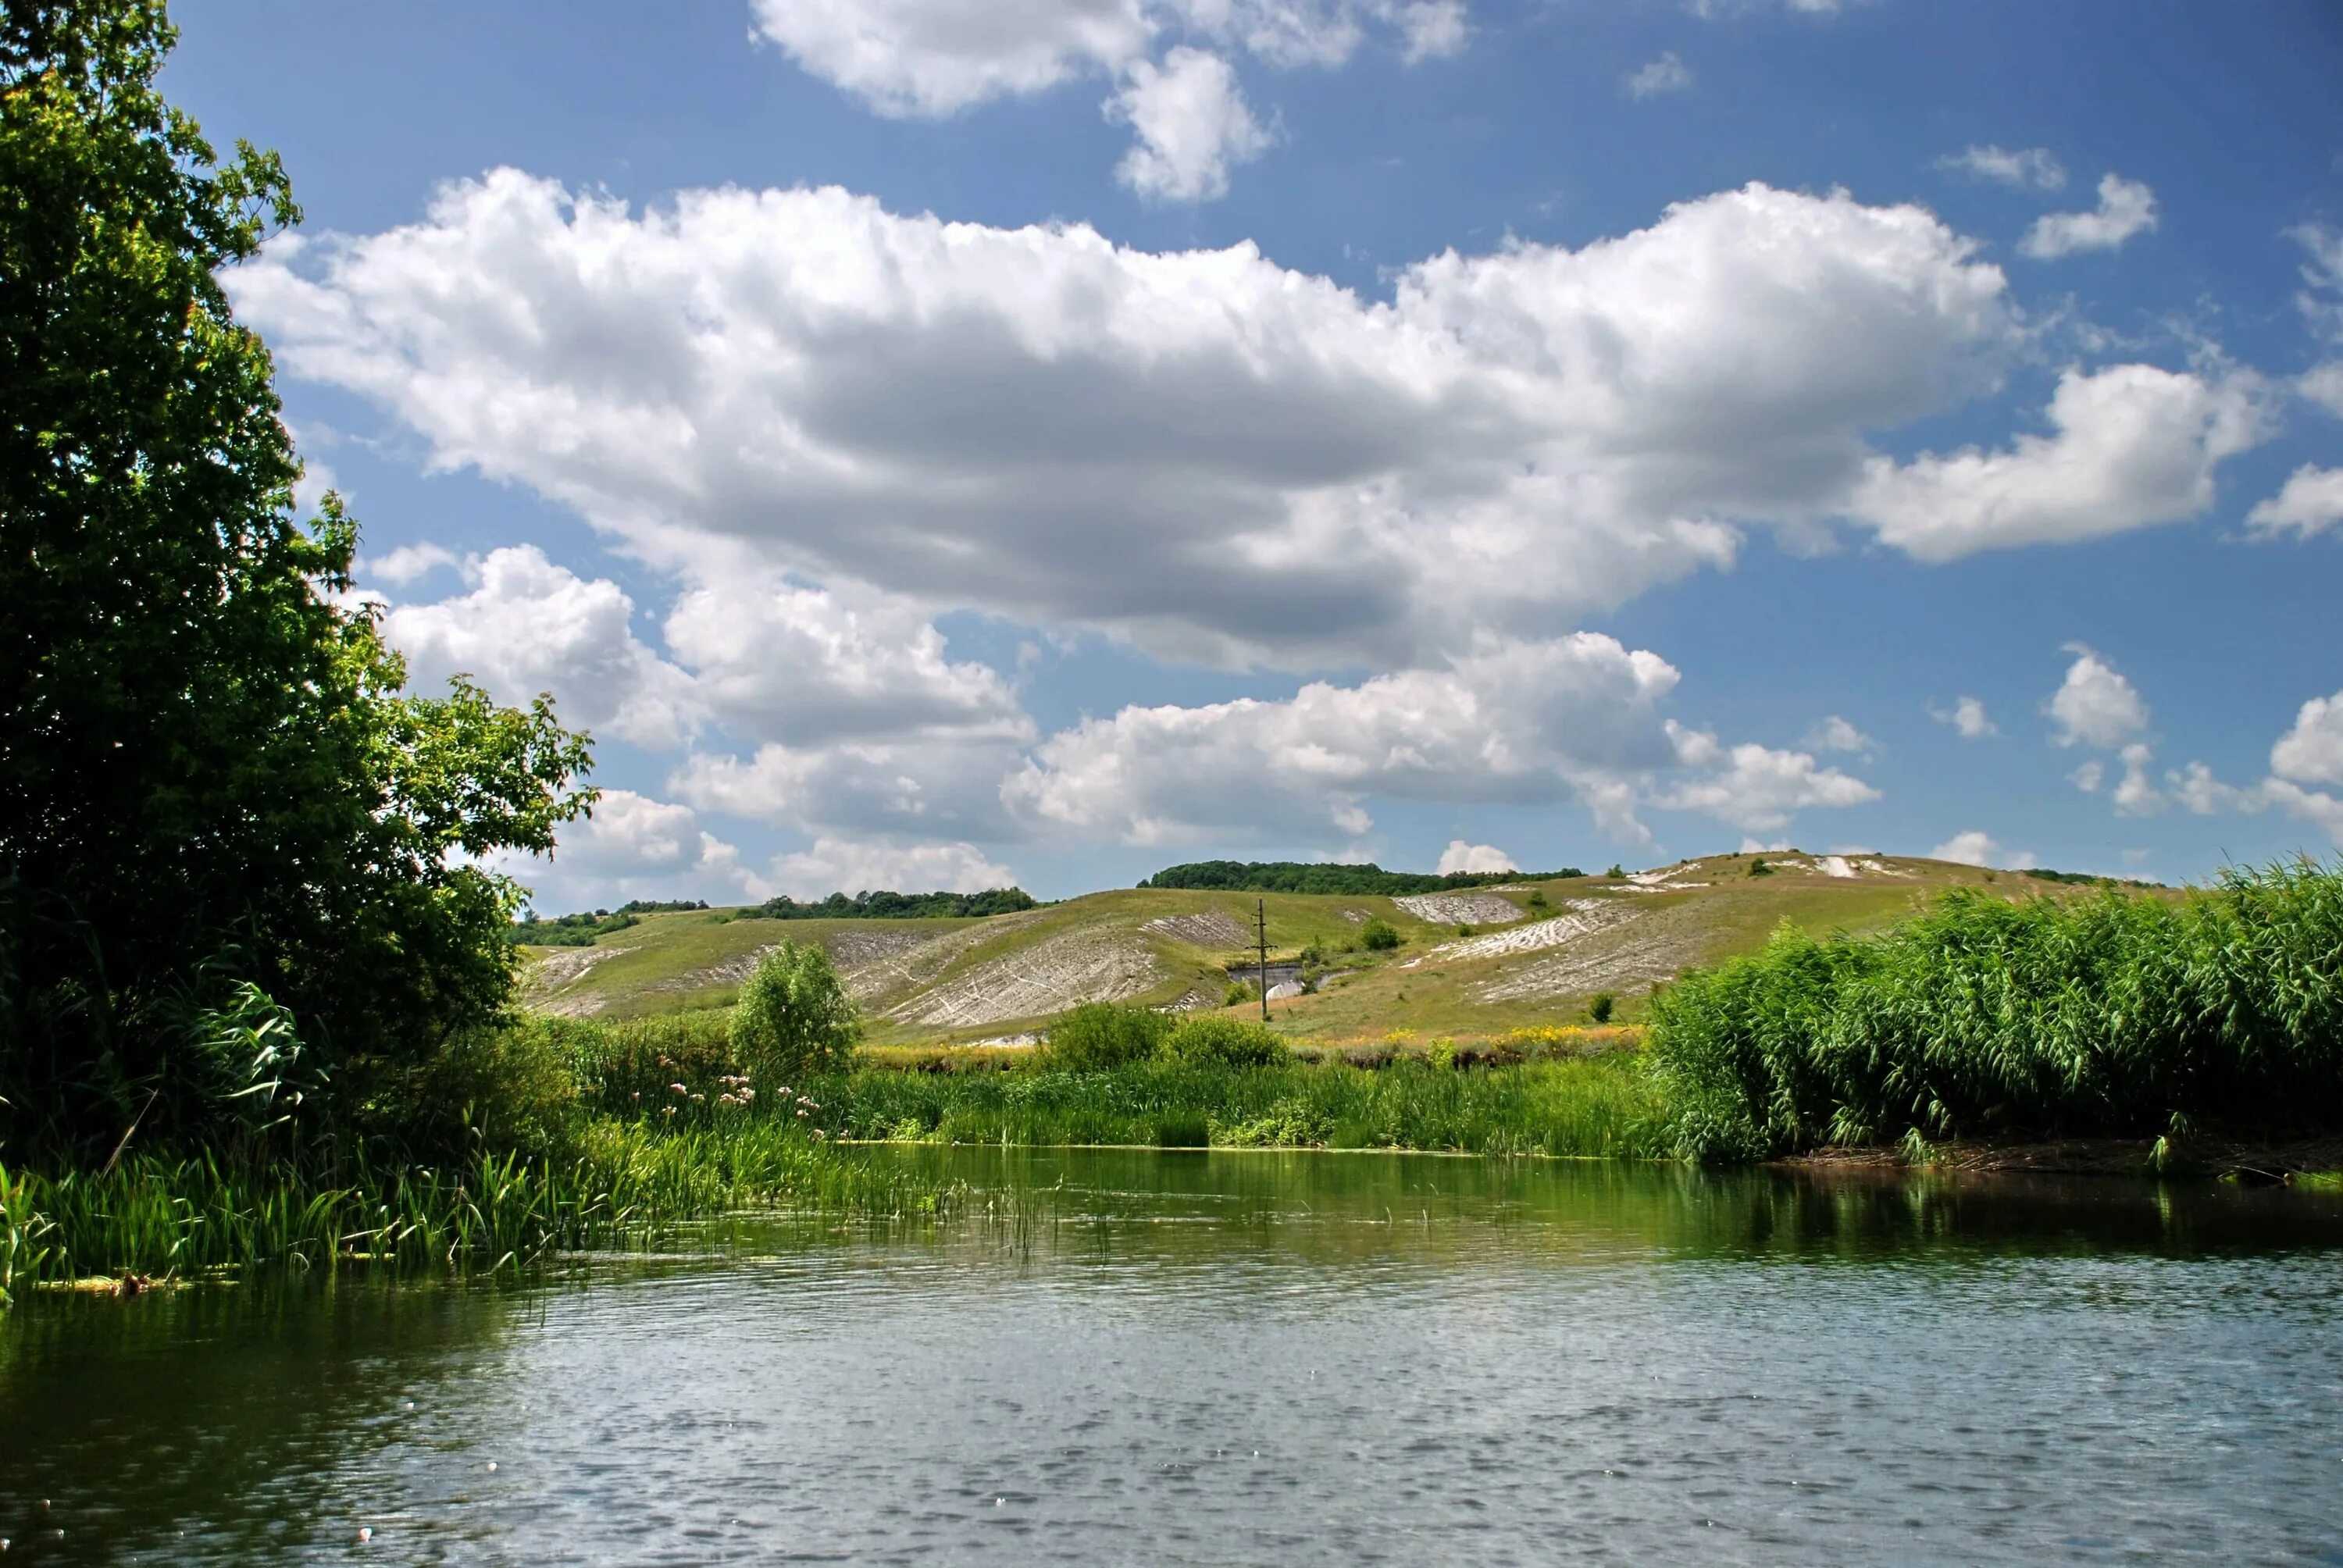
(935, 441)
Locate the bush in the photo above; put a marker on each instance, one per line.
(1378, 936)
(1758, 868)
(1537, 899)
(1099, 1036)
(1599, 1008)
(1233, 1042)
(794, 1017)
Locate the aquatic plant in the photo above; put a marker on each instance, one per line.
(2117, 1015)
(620, 1185)
(1601, 1105)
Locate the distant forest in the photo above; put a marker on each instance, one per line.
(886, 906)
(1318, 877)
(580, 930)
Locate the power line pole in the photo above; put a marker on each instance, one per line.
(1261, 916)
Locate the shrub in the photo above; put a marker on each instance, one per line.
(1099, 1036)
(1378, 936)
(1758, 868)
(1233, 1042)
(1599, 1008)
(794, 1017)
(1537, 899)
(1615, 871)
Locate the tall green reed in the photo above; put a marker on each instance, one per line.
(2119, 1015)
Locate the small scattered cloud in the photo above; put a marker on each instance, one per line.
(1461, 856)
(1968, 717)
(2127, 207)
(1431, 29)
(2095, 705)
(2311, 502)
(1667, 74)
(1192, 125)
(2031, 169)
(1977, 847)
(2088, 776)
(1836, 734)
(2323, 384)
(408, 562)
(2136, 795)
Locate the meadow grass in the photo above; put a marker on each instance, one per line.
(1980, 1019)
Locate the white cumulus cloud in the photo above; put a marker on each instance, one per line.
(1522, 723)
(1203, 453)
(845, 865)
(1836, 734)
(529, 625)
(407, 563)
(1461, 856)
(1755, 786)
(2095, 705)
(2127, 207)
(1977, 847)
(2133, 446)
(2311, 752)
(1192, 126)
(2311, 502)
(1968, 717)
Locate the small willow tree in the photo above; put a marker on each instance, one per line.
(216, 798)
(794, 1017)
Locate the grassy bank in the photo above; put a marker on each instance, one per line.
(1980, 1020)
(1594, 1107)
(614, 1184)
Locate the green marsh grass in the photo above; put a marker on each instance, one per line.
(2117, 1015)
(618, 1185)
(1598, 1106)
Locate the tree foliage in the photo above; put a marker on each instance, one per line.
(210, 778)
(1319, 876)
(794, 1017)
(891, 906)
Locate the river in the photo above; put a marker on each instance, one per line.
(1249, 1358)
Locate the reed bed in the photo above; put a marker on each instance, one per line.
(620, 1185)
(2119, 1015)
(1600, 1106)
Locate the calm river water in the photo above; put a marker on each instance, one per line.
(1253, 1358)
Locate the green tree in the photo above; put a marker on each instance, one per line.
(209, 776)
(794, 1017)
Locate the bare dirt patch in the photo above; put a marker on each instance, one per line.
(1210, 928)
(1461, 909)
(556, 968)
(1580, 917)
(1640, 948)
(1050, 976)
(888, 971)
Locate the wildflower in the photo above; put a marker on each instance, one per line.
(801, 1116)
(678, 1088)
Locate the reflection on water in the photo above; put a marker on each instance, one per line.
(1250, 1357)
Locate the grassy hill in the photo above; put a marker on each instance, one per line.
(1471, 962)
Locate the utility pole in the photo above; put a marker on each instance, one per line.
(1261, 916)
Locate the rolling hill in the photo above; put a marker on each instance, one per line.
(1470, 961)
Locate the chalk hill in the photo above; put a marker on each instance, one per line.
(1471, 959)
